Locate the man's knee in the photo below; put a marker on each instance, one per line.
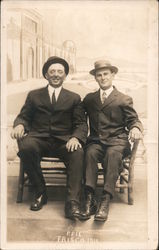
(27, 147)
(91, 152)
(113, 153)
(78, 154)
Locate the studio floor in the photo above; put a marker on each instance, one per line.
(126, 223)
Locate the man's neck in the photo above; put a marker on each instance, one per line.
(107, 89)
(55, 86)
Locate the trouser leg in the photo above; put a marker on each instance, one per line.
(112, 164)
(30, 151)
(93, 155)
(75, 175)
(74, 164)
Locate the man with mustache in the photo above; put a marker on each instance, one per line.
(112, 120)
(52, 121)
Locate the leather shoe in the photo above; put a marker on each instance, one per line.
(90, 207)
(103, 210)
(72, 210)
(38, 203)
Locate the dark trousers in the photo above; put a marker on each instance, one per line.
(111, 159)
(32, 149)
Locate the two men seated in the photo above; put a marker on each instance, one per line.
(54, 120)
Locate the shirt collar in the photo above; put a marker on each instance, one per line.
(52, 89)
(107, 91)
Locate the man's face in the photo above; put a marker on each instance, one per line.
(104, 77)
(56, 75)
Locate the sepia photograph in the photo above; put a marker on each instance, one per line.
(79, 125)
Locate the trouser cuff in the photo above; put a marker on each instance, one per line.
(108, 190)
(89, 189)
(106, 194)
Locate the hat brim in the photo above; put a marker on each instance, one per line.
(112, 68)
(53, 61)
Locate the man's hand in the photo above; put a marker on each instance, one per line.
(73, 144)
(18, 132)
(135, 134)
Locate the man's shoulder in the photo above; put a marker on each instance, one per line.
(37, 91)
(122, 95)
(90, 96)
(71, 93)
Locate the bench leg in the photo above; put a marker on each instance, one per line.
(131, 185)
(131, 174)
(130, 196)
(20, 184)
(121, 182)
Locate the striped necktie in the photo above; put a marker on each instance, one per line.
(104, 97)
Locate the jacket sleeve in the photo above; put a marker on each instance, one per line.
(80, 127)
(130, 115)
(26, 114)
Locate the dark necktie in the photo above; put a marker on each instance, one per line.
(53, 98)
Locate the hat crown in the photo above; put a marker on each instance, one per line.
(101, 64)
(52, 58)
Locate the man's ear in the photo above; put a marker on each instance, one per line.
(46, 76)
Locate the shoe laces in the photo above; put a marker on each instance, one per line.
(74, 205)
(104, 205)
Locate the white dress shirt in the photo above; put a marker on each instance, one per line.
(107, 91)
(51, 91)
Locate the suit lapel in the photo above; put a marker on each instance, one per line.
(46, 98)
(97, 99)
(62, 98)
(110, 98)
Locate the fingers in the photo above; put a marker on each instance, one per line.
(17, 132)
(76, 145)
(135, 136)
(72, 146)
(69, 146)
(14, 134)
(21, 134)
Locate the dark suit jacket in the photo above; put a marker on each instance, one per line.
(111, 121)
(64, 120)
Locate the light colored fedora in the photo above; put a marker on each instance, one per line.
(103, 64)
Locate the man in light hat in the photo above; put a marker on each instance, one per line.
(52, 121)
(112, 120)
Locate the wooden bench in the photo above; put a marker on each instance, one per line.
(54, 167)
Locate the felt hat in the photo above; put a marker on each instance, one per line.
(53, 60)
(101, 65)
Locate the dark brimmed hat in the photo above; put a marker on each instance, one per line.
(101, 65)
(52, 60)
